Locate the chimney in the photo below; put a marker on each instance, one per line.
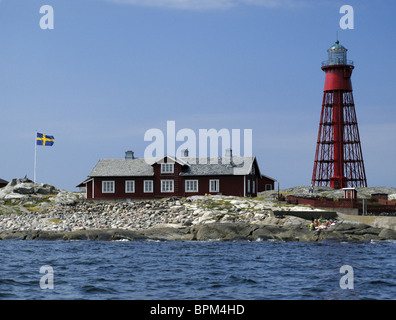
(228, 156)
(184, 153)
(129, 155)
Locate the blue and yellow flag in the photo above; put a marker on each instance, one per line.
(44, 140)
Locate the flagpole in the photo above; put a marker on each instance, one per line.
(35, 162)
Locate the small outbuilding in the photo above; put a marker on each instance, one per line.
(350, 193)
(266, 183)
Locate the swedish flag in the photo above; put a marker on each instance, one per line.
(44, 140)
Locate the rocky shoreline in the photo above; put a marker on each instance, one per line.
(201, 218)
(60, 215)
(344, 231)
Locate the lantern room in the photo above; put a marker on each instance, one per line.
(337, 55)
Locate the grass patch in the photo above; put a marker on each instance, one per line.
(11, 202)
(217, 204)
(33, 209)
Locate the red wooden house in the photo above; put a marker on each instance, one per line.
(168, 176)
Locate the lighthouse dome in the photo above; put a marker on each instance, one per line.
(337, 47)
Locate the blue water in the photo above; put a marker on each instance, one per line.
(196, 270)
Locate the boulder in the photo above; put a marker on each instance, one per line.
(46, 189)
(348, 227)
(65, 197)
(295, 234)
(227, 218)
(387, 234)
(23, 188)
(265, 232)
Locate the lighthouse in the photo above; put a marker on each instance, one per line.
(338, 157)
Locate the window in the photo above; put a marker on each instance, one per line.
(166, 185)
(130, 186)
(191, 186)
(148, 186)
(107, 186)
(248, 186)
(254, 186)
(214, 185)
(167, 167)
(268, 187)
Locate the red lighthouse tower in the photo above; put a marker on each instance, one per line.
(338, 158)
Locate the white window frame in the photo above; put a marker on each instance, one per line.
(167, 188)
(108, 186)
(127, 190)
(191, 186)
(167, 167)
(217, 185)
(150, 183)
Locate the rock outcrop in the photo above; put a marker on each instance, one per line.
(213, 232)
(26, 189)
(54, 214)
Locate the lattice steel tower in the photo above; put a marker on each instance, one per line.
(338, 158)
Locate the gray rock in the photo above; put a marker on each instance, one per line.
(46, 189)
(23, 189)
(168, 233)
(18, 235)
(223, 231)
(49, 235)
(297, 234)
(387, 234)
(103, 235)
(227, 218)
(348, 227)
(17, 181)
(265, 232)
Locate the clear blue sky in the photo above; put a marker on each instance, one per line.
(112, 69)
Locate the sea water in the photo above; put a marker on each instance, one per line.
(184, 270)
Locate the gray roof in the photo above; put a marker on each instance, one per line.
(193, 166)
(121, 168)
(218, 166)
